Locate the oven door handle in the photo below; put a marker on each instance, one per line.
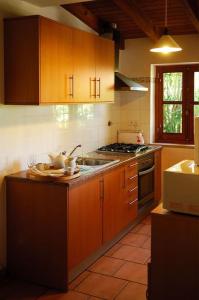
(147, 171)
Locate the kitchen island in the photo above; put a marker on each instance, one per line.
(57, 228)
(174, 268)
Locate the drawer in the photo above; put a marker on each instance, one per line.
(131, 174)
(132, 194)
(131, 181)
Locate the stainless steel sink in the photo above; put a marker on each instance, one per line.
(95, 162)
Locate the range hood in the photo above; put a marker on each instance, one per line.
(123, 83)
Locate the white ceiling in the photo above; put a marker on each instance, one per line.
(53, 2)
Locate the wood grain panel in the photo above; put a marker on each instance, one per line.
(37, 232)
(112, 205)
(84, 66)
(56, 62)
(105, 67)
(84, 221)
(174, 256)
(21, 60)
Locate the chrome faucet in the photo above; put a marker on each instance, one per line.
(78, 146)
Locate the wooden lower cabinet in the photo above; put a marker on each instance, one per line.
(37, 231)
(119, 202)
(54, 227)
(112, 203)
(84, 221)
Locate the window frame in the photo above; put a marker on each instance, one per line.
(187, 135)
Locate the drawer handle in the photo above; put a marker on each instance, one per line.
(132, 202)
(132, 177)
(132, 190)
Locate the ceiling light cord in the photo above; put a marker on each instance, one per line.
(166, 18)
(166, 14)
(166, 43)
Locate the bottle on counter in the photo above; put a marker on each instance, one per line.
(140, 138)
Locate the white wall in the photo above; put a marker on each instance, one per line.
(29, 132)
(136, 62)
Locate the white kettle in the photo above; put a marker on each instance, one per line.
(58, 160)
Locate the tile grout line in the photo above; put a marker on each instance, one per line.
(129, 281)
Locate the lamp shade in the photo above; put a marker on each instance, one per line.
(166, 44)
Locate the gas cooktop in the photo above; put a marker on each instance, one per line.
(123, 148)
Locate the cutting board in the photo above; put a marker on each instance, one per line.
(127, 137)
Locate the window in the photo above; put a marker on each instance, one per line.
(177, 103)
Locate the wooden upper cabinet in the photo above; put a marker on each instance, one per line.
(105, 68)
(56, 63)
(21, 60)
(84, 66)
(47, 62)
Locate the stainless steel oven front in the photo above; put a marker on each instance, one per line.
(146, 169)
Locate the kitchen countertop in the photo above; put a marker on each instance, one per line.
(123, 158)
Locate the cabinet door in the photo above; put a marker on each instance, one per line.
(21, 60)
(84, 66)
(56, 64)
(84, 221)
(112, 204)
(105, 68)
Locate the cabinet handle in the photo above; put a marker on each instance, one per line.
(99, 88)
(132, 177)
(71, 79)
(132, 202)
(93, 94)
(101, 191)
(132, 165)
(132, 190)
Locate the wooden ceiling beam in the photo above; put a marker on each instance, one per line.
(85, 15)
(191, 9)
(130, 8)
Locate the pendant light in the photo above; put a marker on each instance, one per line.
(166, 43)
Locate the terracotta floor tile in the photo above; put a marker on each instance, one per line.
(101, 286)
(113, 249)
(71, 295)
(147, 244)
(133, 272)
(106, 265)
(147, 220)
(134, 239)
(137, 228)
(16, 290)
(78, 280)
(134, 254)
(133, 291)
(145, 229)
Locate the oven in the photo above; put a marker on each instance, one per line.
(146, 169)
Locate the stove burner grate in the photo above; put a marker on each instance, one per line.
(123, 148)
